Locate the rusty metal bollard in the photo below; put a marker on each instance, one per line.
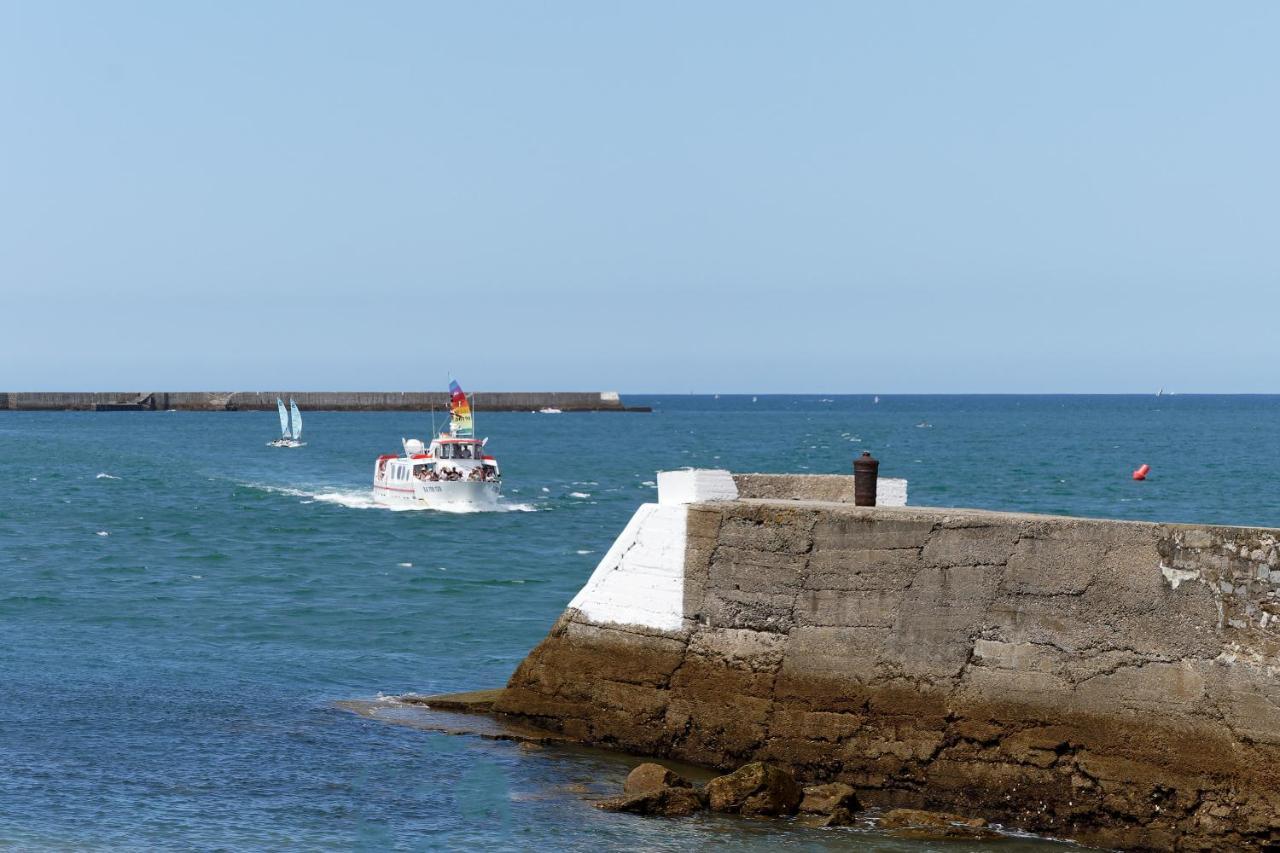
(866, 470)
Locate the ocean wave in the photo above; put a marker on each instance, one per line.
(104, 476)
(579, 495)
(363, 499)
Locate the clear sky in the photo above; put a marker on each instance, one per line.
(665, 197)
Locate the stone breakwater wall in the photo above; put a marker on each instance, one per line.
(1114, 682)
(338, 401)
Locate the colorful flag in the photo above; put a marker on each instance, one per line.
(460, 411)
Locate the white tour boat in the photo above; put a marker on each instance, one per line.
(290, 430)
(453, 472)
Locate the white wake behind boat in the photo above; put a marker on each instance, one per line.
(290, 426)
(453, 472)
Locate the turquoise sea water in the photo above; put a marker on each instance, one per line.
(181, 606)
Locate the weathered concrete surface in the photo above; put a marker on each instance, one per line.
(1114, 682)
(817, 487)
(339, 401)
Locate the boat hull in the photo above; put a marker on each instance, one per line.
(441, 494)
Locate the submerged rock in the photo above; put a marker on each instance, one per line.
(824, 799)
(917, 823)
(837, 817)
(652, 777)
(755, 790)
(652, 789)
(663, 802)
(832, 804)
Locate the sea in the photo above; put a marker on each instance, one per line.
(186, 614)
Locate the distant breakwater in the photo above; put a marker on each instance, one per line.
(335, 401)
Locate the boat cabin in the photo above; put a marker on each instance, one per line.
(447, 459)
(458, 448)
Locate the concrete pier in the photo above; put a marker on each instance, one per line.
(1109, 681)
(334, 401)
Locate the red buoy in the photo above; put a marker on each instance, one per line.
(1141, 473)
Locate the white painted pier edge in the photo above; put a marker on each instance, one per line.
(640, 580)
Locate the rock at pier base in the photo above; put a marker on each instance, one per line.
(916, 823)
(650, 777)
(832, 804)
(755, 790)
(663, 802)
(652, 789)
(837, 817)
(824, 799)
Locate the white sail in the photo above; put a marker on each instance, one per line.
(284, 419)
(297, 420)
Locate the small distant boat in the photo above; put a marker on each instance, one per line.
(924, 425)
(549, 410)
(290, 426)
(453, 472)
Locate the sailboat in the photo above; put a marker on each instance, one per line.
(453, 472)
(290, 425)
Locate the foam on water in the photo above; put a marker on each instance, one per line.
(104, 476)
(363, 499)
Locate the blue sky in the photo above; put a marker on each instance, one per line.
(662, 197)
